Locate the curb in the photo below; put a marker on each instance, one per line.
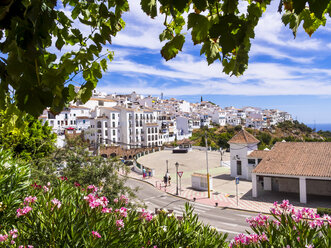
(181, 197)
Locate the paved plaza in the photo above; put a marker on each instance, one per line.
(195, 162)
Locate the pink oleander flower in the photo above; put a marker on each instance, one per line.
(63, 178)
(146, 215)
(56, 202)
(96, 234)
(12, 242)
(106, 210)
(116, 200)
(120, 224)
(12, 232)
(260, 220)
(46, 189)
(77, 184)
(48, 184)
(93, 188)
(3, 238)
(29, 246)
(23, 211)
(30, 199)
(124, 199)
(309, 246)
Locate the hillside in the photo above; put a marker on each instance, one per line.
(288, 131)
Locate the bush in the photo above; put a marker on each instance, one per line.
(66, 216)
(14, 182)
(322, 211)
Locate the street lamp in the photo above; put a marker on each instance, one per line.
(207, 164)
(167, 166)
(176, 177)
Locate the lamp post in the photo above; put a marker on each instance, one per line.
(167, 166)
(176, 177)
(207, 164)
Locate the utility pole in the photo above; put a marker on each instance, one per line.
(167, 166)
(176, 177)
(207, 164)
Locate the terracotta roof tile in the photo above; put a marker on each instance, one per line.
(297, 159)
(243, 137)
(258, 154)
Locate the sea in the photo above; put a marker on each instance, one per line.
(323, 127)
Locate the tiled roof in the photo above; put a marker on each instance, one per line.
(101, 99)
(297, 159)
(258, 154)
(243, 137)
(111, 109)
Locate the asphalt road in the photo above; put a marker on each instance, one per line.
(228, 221)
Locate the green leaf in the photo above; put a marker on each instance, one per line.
(103, 64)
(293, 20)
(299, 5)
(171, 48)
(310, 22)
(180, 5)
(149, 7)
(230, 6)
(85, 91)
(166, 35)
(211, 50)
(59, 43)
(200, 4)
(318, 7)
(200, 27)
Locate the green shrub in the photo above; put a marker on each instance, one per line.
(322, 211)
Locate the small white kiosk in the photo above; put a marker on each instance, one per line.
(199, 181)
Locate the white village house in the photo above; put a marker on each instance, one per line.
(295, 167)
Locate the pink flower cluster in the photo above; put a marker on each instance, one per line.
(93, 188)
(122, 212)
(36, 186)
(244, 239)
(12, 235)
(95, 201)
(23, 211)
(56, 202)
(30, 199)
(146, 215)
(299, 214)
(124, 199)
(260, 220)
(29, 246)
(96, 234)
(120, 224)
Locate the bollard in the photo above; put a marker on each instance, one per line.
(194, 198)
(216, 204)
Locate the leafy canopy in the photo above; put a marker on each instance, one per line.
(43, 48)
(223, 31)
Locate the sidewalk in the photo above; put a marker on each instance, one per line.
(223, 200)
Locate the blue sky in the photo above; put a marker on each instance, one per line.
(285, 73)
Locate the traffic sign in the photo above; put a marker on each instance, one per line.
(237, 180)
(180, 173)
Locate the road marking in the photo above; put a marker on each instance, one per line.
(199, 211)
(226, 231)
(244, 215)
(226, 223)
(202, 205)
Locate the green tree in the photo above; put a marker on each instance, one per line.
(32, 140)
(78, 164)
(35, 76)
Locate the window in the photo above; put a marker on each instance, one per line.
(84, 121)
(74, 114)
(251, 161)
(259, 160)
(99, 124)
(113, 132)
(106, 132)
(106, 124)
(113, 116)
(239, 173)
(71, 122)
(58, 122)
(99, 131)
